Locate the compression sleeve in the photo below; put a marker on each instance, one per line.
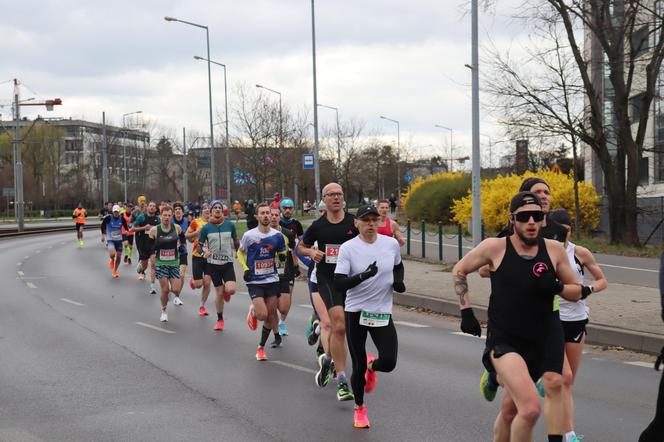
(345, 282)
(242, 257)
(398, 272)
(104, 222)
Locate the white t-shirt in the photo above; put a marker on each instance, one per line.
(374, 294)
(573, 311)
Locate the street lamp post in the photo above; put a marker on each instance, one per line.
(124, 151)
(398, 151)
(185, 184)
(451, 144)
(338, 134)
(227, 149)
(313, 58)
(281, 130)
(476, 176)
(207, 39)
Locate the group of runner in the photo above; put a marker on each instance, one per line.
(534, 339)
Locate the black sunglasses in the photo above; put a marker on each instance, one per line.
(524, 217)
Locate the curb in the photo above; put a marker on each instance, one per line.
(597, 334)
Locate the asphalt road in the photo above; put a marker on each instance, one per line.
(642, 272)
(84, 357)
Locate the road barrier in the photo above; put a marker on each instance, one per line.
(438, 235)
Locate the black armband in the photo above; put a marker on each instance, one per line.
(586, 290)
(345, 282)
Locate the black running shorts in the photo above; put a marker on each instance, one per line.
(533, 353)
(220, 273)
(197, 267)
(79, 226)
(574, 330)
(183, 259)
(263, 290)
(554, 355)
(332, 297)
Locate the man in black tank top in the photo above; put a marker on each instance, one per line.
(524, 278)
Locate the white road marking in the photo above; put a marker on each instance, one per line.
(305, 306)
(467, 335)
(641, 364)
(411, 324)
(26, 257)
(37, 251)
(50, 247)
(31, 285)
(295, 367)
(19, 263)
(72, 302)
(143, 324)
(20, 273)
(628, 268)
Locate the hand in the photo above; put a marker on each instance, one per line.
(103, 239)
(369, 272)
(207, 254)
(247, 275)
(297, 272)
(399, 286)
(586, 291)
(549, 283)
(469, 323)
(317, 255)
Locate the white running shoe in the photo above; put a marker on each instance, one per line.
(164, 316)
(177, 301)
(153, 289)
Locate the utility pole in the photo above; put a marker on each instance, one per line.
(18, 165)
(476, 177)
(104, 160)
(316, 159)
(185, 190)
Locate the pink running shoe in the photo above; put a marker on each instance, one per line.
(219, 326)
(202, 311)
(370, 376)
(361, 419)
(227, 297)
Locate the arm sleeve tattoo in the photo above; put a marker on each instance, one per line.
(461, 288)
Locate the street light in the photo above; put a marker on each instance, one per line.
(228, 155)
(398, 150)
(338, 134)
(207, 39)
(451, 143)
(124, 150)
(313, 59)
(281, 132)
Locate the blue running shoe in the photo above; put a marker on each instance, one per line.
(283, 331)
(540, 387)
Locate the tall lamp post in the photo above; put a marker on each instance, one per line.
(124, 151)
(228, 155)
(313, 58)
(336, 110)
(281, 129)
(451, 143)
(207, 39)
(476, 176)
(398, 151)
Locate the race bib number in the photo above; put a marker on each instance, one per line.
(116, 235)
(263, 267)
(369, 319)
(331, 253)
(167, 255)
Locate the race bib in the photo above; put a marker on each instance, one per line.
(263, 267)
(331, 253)
(167, 255)
(369, 319)
(116, 235)
(219, 259)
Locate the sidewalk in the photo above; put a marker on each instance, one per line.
(622, 315)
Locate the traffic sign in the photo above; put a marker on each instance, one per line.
(408, 178)
(308, 161)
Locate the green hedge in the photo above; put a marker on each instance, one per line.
(431, 199)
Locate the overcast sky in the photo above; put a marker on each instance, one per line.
(401, 59)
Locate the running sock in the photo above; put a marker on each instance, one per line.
(220, 316)
(265, 333)
(341, 377)
(555, 438)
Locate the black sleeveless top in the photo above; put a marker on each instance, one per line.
(517, 307)
(166, 247)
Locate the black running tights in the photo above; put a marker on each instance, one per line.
(385, 339)
(655, 431)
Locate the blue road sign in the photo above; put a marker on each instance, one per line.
(308, 161)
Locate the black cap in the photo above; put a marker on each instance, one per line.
(522, 199)
(366, 210)
(561, 217)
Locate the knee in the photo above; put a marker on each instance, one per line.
(325, 325)
(530, 411)
(229, 291)
(387, 364)
(553, 383)
(568, 378)
(338, 327)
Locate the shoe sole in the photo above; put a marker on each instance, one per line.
(362, 426)
(345, 398)
(326, 381)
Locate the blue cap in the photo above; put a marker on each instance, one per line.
(215, 202)
(286, 203)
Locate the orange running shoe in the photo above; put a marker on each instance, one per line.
(260, 354)
(116, 274)
(111, 263)
(219, 325)
(202, 311)
(361, 419)
(370, 376)
(252, 322)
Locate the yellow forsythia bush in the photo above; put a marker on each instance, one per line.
(498, 192)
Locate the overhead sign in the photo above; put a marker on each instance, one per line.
(308, 161)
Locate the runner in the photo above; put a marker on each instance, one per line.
(258, 249)
(217, 239)
(574, 316)
(393, 204)
(287, 274)
(79, 215)
(524, 270)
(181, 220)
(111, 227)
(276, 200)
(142, 225)
(128, 235)
(369, 267)
(386, 225)
(198, 263)
(330, 231)
(287, 210)
(237, 209)
(166, 244)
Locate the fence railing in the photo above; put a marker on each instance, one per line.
(431, 239)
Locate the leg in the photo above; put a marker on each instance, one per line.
(219, 300)
(654, 431)
(165, 289)
(356, 335)
(554, 404)
(325, 325)
(387, 345)
(284, 305)
(503, 425)
(338, 338)
(205, 293)
(573, 353)
(153, 274)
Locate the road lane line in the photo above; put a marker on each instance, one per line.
(72, 302)
(293, 366)
(20, 273)
(641, 364)
(627, 268)
(26, 257)
(305, 306)
(411, 324)
(31, 285)
(143, 324)
(467, 335)
(37, 251)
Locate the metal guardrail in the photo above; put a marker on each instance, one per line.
(422, 233)
(13, 232)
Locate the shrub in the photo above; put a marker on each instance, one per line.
(431, 198)
(498, 192)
